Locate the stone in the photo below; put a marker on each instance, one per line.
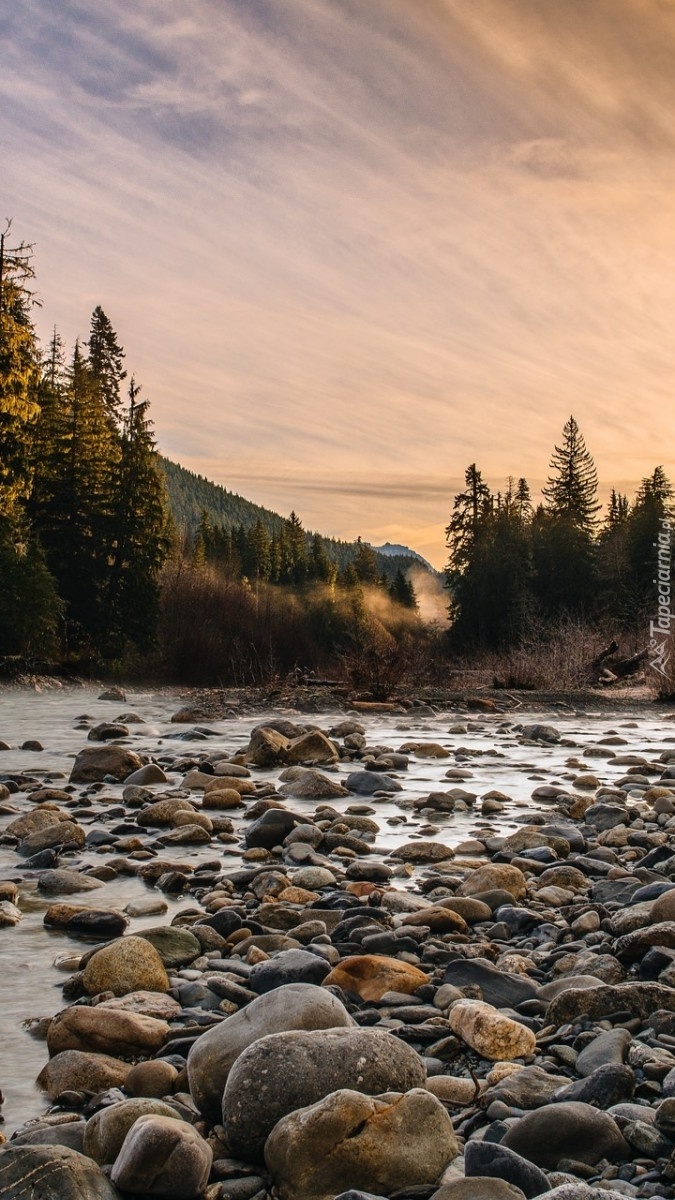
(95, 923)
(51, 1173)
(54, 837)
(128, 964)
(286, 1071)
(106, 1031)
(41, 818)
(149, 1004)
(366, 783)
(271, 828)
(371, 975)
(75, 1070)
(267, 748)
(539, 733)
(608, 1047)
(60, 881)
(503, 989)
(478, 1187)
(93, 763)
(527, 1088)
(570, 1130)
(472, 910)
(312, 746)
(663, 908)
(289, 966)
(223, 798)
(494, 876)
(493, 1035)
(154, 1078)
(107, 1129)
(351, 1140)
(10, 915)
(162, 812)
(150, 773)
(423, 852)
(291, 1006)
(488, 1159)
(107, 731)
(437, 919)
(454, 1089)
(176, 947)
(161, 1156)
(633, 946)
(606, 1087)
(305, 783)
(638, 998)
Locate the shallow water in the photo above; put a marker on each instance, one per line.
(30, 983)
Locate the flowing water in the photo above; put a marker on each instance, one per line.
(487, 749)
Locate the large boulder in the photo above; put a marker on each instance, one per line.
(94, 763)
(128, 964)
(162, 1156)
(348, 1140)
(293, 1006)
(106, 1031)
(286, 1071)
(51, 1173)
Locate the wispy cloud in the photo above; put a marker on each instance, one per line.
(371, 242)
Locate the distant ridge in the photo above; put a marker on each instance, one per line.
(192, 495)
(396, 550)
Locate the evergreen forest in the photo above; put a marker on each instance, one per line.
(114, 558)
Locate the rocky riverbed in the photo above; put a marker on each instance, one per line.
(402, 953)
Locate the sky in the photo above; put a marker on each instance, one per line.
(352, 246)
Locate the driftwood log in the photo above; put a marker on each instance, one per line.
(607, 667)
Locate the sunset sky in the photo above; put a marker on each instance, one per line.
(351, 246)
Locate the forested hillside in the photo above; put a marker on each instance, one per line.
(192, 499)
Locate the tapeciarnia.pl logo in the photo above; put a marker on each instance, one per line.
(660, 629)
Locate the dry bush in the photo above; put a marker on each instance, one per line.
(556, 658)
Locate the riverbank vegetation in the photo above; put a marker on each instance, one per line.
(113, 558)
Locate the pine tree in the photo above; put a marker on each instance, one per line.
(571, 492)
(105, 357)
(295, 568)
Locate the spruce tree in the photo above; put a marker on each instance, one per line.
(571, 491)
(105, 357)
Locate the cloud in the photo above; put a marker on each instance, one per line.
(351, 248)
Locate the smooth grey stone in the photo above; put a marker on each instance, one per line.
(609, 1047)
(488, 1158)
